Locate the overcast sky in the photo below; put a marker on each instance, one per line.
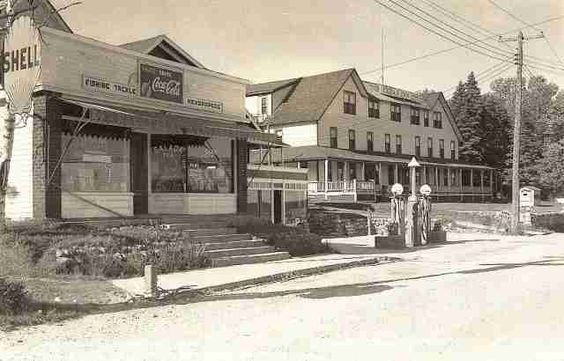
(263, 40)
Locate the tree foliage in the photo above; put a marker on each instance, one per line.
(551, 168)
(483, 123)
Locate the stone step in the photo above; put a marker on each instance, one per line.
(184, 225)
(218, 253)
(222, 238)
(195, 232)
(233, 244)
(256, 258)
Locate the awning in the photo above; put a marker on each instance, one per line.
(168, 122)
(313, 152)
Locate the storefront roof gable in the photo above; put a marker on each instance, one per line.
(163, 47)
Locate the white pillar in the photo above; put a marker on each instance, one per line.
(482, 184)
(326, 176)
(363, 172)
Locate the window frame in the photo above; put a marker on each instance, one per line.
(370, 142)
(426, 118)
(415, 118)
(452, 149)
(348, 106)
(417, 146)
(437, 120)
(442, 148)
(264, 105)
(387, 143)
(395, 116)
(333, 138)
(352, 140)
(430, 147)
(398, 144)
(373, 108)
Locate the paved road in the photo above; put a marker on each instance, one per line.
(474, 299)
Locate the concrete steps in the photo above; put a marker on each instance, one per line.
(221, 238)
(248, 259)
(233, 244)
(241, 251)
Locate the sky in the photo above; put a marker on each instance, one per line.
(263, 40)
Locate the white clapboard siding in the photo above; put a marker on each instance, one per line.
(85, 204)
(192, 203)
(19, 200)
(66, 58)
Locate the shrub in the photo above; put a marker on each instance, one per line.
(13, 297)
(295, 240)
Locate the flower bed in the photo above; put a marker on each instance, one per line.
(111, 253)
(297, 241)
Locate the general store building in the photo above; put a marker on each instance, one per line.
(136, 129)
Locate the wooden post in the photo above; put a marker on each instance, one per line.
(482, 184)
(150, 281)
(326, 177)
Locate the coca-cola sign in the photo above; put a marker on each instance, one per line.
(161, 83)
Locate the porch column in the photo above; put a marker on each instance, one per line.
(449, 185)
(424, 175)
(326, 176)
(396, 175)
(461, 184)
(380, 177)
(346, 166)
(363, 172)
(472, 182)
(437, 179)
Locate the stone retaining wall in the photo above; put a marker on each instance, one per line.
(550, 221)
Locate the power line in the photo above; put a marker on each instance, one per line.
(436, 32)
(515, 17)
(484, 78)
(458, 47)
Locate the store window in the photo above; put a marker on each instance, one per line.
(95, 164)
(191, 165)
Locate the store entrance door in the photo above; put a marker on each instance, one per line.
(138, 173)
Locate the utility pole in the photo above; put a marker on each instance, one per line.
(515, 207)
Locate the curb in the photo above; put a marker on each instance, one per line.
(278, 277)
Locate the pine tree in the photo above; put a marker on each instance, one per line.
(467, 104)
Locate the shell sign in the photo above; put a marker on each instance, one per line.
(21, 64)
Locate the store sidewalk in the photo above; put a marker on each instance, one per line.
(231, 277)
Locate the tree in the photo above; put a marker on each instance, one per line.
(551, 168)
(538, 98)
(495, 132)
(466, 105)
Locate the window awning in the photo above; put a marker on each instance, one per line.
(168, 122)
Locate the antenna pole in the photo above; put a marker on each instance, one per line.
(382, 55)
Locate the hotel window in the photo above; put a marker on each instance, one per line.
(352, 139)
(430, 147)
(264, 105)
(395, 110)
(190, 164)
(349, 102)
(417, 146)
(333, 137)
(465, 178)
(415, 116)
(425, 118)
(476, 179)
(391, 174)
(373, 109)
(454, 178)
(442, 148)
(398, 144)
(437, 120)
(445, 177)
(352, 170)
(370, 141)
(387, 145)
(452, 150)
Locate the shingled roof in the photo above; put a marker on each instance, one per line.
(310, 96)
(162, 46)
(270, 87)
